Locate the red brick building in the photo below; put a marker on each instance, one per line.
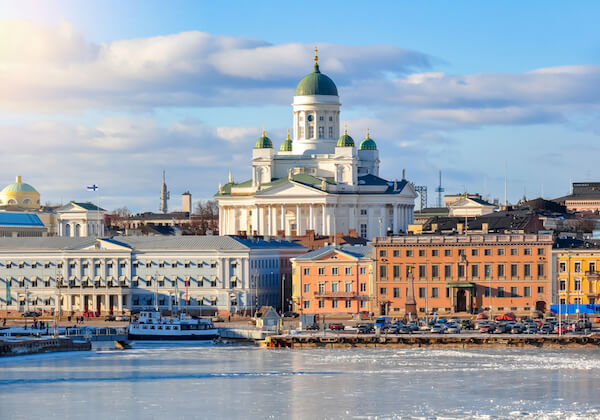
(333, 280)
(465, 274)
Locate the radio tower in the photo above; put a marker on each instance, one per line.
(164, 195)
(439, 190)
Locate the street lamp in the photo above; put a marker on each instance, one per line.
(282, 293)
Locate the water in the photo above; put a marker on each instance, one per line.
(172, 381)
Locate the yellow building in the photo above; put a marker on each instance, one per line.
(577, 276)
(19, 196)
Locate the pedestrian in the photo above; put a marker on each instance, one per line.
(4, 322)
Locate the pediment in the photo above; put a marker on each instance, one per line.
(103, 244)
(335, 255)
(291, 189)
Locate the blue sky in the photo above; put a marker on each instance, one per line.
(113, 93)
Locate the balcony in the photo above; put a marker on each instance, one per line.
(336, 294)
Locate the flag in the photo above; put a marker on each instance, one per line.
(92, 187)
(8, 296)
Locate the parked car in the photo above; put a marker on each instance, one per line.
(390, 329)
(109, 317)
(439, 329)
(122, 318)
(31, 314)
(364, 314)
(531, 329)
(311, 327)
(336, 326)
(517, 328)
(487, 328)
(412, 326)
(365, 328)
(546, 329)
(290, 314)
(453, 328)
(466, 324)
(382, 321)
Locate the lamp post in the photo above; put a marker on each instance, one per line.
(282, 294)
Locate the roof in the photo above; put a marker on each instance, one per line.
(316, 83)
(18, 186)
(360, 252)
(86, 206)
(497, 222)
(368, 144)
(147, 243)
(20, 219)
(263, 143)
(345, 141)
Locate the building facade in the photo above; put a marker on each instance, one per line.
(333, 280)
(464, 273)
(203, 274)
(577, 273)
(318, 180)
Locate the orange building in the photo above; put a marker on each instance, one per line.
(456, 274)
(333, 280)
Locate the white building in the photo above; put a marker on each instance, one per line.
(80, 220)
(318, 180)
(204, 274)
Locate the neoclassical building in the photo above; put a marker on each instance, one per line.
(318, 180)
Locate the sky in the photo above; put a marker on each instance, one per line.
(114, 92)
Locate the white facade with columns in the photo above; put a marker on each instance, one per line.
(80, 220)
(317, 180)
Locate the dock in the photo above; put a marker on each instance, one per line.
(430, 341)
(17, 347)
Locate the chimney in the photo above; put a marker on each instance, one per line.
(186, 202)
(485, 228)
(459, 227)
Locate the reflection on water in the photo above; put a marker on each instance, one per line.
(207, 381)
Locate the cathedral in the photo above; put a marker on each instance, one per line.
(319, 180)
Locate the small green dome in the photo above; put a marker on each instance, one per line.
(345, 141)
(368, 143)
(286, 146)
(263, 142)
(316, 83)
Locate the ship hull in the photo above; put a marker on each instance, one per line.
(172, 337)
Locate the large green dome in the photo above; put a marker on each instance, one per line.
(263, 142)
(368, 143)
(316, 83)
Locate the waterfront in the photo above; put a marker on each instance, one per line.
(207, 381)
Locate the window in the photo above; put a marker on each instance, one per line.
(447, 271)
(461, 252)
(348, 287)
(396, 253)
(396, 270)
(447, 292)
(382, 291)
(475, 271)
(382, 253)
(514, 271)
(422, 271)
(562, 285)
(306, 288)
(321, 118)
(540, 289)
(527, 251)
(487, 271)
(348, 303)
(363, 212)
(396, 292)
(383, 271)
(540, 268)
(435, 292)
(321, 132)
(363, 270)
(311, 131)
(334, 303)
(461, 270)
(321, 303)
(592, 266)
(577, 284)
(321, 271)
(123, 264)
(330, 132)
(321, 288)
(409, 253)
(513, 291)
(487, 252)
(306, 271)
(486, 291)
(500, 251)
(527, 291)
(348, 271)
(148, 264)
(421, 252)
(363, 304)
(447, 252)
(500, 291)
(435, 252)
(59, 265)
(47, 265)
(474, 252)
(577, 267)
(306, 304)
(527, 270)
(161, 264)
(435, 271)
(187, 265)
(334, 271)
(213, 264)
(331, 118)
(514, 251)
(421, 292)
(363, 230)
(72, 265)
(500, 270)
(363, 287)
(541, 251)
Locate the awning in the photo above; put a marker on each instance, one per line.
(188, 262)
(34, 262)
(47, 278)
(200, 263)
(187, 278)
(213, 262)
(72, 278)
(148, 278)
(213, 298)
(47, 262)
(213, 278)
(233, 278)
(85, 278)
(122, 278)
(175, 262)
(161, 278)
(464, 285)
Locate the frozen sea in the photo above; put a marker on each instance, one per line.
(173, 381)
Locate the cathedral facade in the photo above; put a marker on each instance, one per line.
(318, 180)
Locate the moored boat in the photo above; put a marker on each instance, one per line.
(151, 325)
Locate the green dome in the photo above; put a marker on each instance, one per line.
(316, 83)
(367, 143)
(263, 142)
(18, 187)
(345, 141)
(286, 146)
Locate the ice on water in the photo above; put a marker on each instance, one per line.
(207, 381)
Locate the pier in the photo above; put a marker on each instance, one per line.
(10, 347)
(430, 341)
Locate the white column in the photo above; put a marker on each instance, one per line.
(323, 222)
(261, 220)
(270, 221)
(254, 220)
(351, 220)
(283, 218)
(120, 301)
(298, 220)
(311, 217)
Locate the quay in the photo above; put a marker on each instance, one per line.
(430, 341)
(18, 347)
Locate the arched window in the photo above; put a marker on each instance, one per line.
(77, 230)
(67, 230)
(12, 201)
(27, 201)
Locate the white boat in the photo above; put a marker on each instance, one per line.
(151, 325)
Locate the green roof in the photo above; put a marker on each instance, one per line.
(286, 146)
(18, 187)
(368, 144)
(263, 143)
(345, 141)
(316, 83)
